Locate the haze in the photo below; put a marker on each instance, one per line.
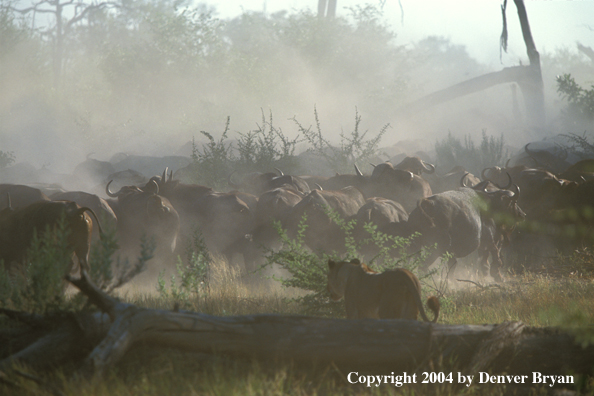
(474, 24)
(118, 96)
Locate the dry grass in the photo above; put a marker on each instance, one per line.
(533, 299)
(231, 291)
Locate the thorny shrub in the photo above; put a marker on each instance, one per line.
(353, 148)
(193, 275)
(308, 270)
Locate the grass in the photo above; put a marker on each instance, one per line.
(231, 292)
(534, 299)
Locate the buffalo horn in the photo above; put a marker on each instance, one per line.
(170, 175)
(155, 189)
(109, 193)
(374, 165)
(230, 182)
(411, 176)
(429, 168)
(463, 180)
(530, 153)
(280, 172)
(164, 177)
(516, 193)
(319, 187)
(483, 176)
(358, 171)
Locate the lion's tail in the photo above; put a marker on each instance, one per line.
(432, 303)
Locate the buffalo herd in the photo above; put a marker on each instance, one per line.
(495, 216)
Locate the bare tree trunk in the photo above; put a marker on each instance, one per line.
(60, 31)
(531, 86)
(322, 8)
(586, 51)
(528, 78)
(329, 12)
(331, 9)
(477, 84)
(51, 341)
(59, 47)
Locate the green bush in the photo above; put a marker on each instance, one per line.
(213, 164)
(579, 145)
(309, 270)
(37, 285)
(123, 271)
(101, 257)
(260, 150)
(266, 148)
(580, 100)
(194, 274)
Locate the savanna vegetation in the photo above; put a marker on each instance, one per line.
(209, 285)
(556, 293)
(148, 70)
(152, 75)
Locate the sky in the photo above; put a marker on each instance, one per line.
(477, 24)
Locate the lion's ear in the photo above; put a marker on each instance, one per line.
(355, 261)
(331, 263)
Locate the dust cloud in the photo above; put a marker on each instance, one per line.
(147, 80)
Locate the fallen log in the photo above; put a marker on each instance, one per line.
(51, 341)
(373, 346)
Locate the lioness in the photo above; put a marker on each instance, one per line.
(394, 294)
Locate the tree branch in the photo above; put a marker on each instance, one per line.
(586, 51)
(80, 16)
(477, 84)
(103, 301)
(533, 54)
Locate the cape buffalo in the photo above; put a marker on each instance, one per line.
(20, 195)
(258, 183)
(385, 214)
(415, 165)
(462, 221)
(224, 219)
(144, 212)
(17, 227)
(322, 233)
(99, 205)
(399, 185)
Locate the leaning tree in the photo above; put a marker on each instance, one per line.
(527, 77)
